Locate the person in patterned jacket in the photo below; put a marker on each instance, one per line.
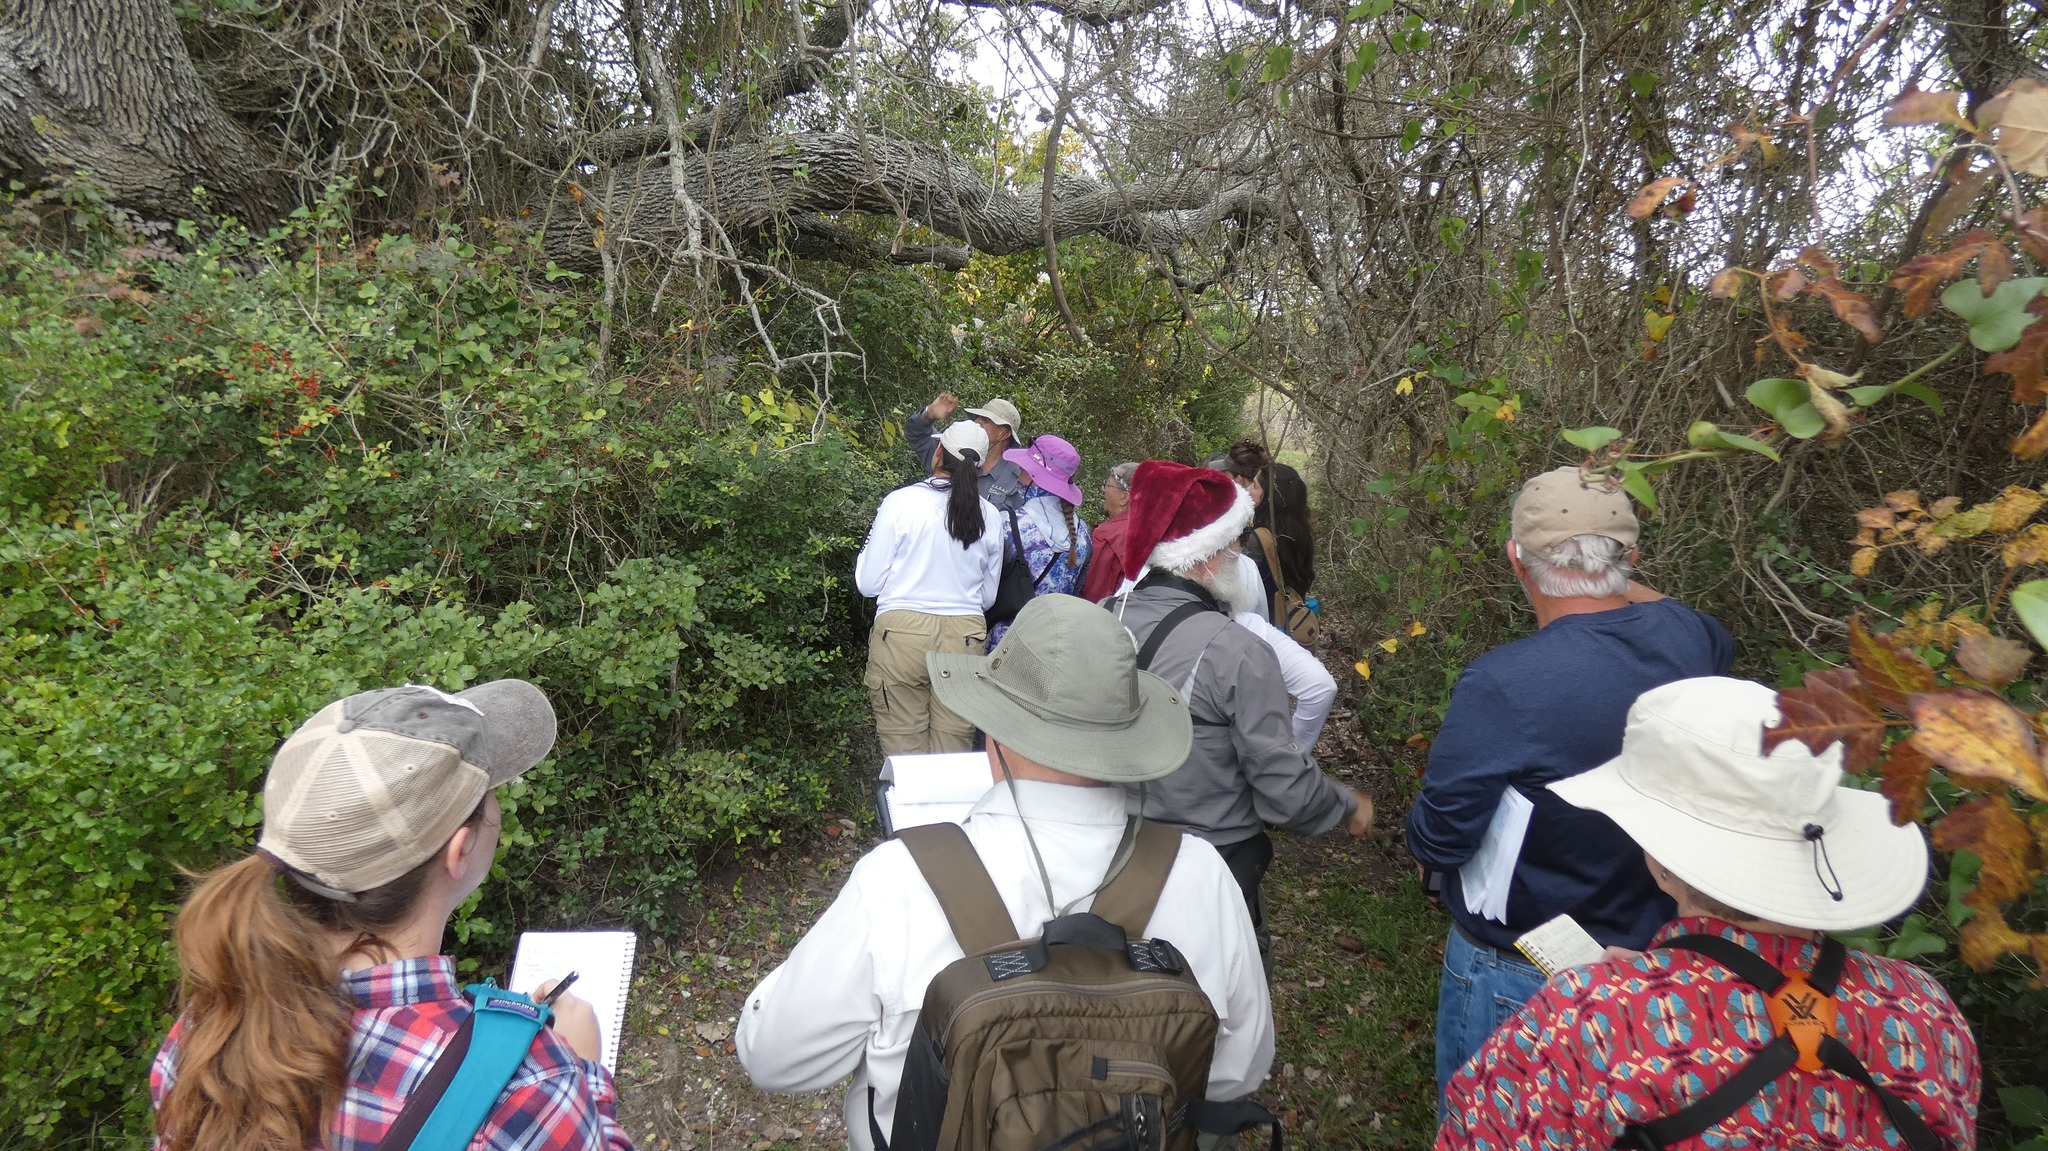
(314, 998)
(1766, 851)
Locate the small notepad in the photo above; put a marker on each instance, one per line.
(603, 962)
(1559, 944)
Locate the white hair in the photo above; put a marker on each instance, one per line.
(1592, 566)
(1223, 576)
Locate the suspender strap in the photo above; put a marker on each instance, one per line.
(456, 1097)
(1774, 1059)
(973, 907)
(1914, 1130)
(1129, 898)
(1174, 619)
(1016, 540)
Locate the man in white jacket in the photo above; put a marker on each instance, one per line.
(1070, 716)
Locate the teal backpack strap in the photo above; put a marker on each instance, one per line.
(466, 1080)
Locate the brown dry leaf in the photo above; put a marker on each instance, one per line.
(1833, 412)
(1785, 283)
(2013, 508)
(2032, 228)
(2034, 441)
(2022, 132)
(1890, 670)
(1651, 196)
(1833, 707)
(1851, 307)
(1862, 562)
(1977, 734)
(1993, 659)
(2026, 361)
(1726, 284)
(1987, 937)
(1994, 267)
(1963, 191)
(1920, 277)
(1904, 502)
(1918, 107)
(1904, 774)
(1877, 519)
(1945, 506)
(1686, 202)
(1866, 538)
(1987, 828)
(1814, 257)
(2028, 547)
(1788, 338)
(1821, 377)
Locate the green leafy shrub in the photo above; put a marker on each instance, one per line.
(242, 478)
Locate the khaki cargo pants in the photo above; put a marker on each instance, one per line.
(907, 719)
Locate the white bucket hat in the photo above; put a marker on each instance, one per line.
(1776, 836)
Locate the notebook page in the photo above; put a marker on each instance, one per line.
(946, 777)
(603, 962)
(1559, 944)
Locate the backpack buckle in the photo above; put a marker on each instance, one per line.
(1806, 1015)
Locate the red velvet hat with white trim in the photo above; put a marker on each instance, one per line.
(1181, 515)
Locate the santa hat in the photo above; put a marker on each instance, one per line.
(1180, 516)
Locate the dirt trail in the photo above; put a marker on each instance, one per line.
(1354, 980)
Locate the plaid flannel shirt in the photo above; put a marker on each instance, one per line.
(406, 1013)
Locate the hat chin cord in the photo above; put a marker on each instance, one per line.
(1116, 865)
(1813, 833)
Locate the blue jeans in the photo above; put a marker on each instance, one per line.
(1482, 988)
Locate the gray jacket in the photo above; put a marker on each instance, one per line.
(1245, 772)
(1001, 485)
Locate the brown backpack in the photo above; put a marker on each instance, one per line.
(1291, 613)
(1084, 1039)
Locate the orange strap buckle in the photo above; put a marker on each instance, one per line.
(1801, 1011)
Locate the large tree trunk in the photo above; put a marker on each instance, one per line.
(105, 89)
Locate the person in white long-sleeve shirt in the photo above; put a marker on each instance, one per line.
(847, 999)
(932, 562)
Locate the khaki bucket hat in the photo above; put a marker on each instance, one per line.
(1063, 687)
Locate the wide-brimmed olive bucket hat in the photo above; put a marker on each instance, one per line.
(1063, 687)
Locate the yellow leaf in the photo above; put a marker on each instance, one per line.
(1861, 563)
(1389, 645)
(1406, 387)
(1505, 413)
(1363, 668)
(1415, 628)
(1659, 323)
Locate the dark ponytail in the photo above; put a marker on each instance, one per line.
(1073, 536)
(963, 500)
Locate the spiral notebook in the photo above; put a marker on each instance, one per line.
(1560, 944)
(603, 963)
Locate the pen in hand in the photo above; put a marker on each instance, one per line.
(560, 987)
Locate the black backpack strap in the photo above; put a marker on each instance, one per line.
(1174, 619)
(974, 909)
(1130, 896)
(1754, 969)
(1016, 541)
(1776, 1058)
(421, 1103)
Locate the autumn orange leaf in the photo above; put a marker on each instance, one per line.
(1964, 190)
(1813, 256)
(1921, 276)
(1890, 670)
(2020, 114)
(2027, 360)
(1851, 307)
(1978, 736)
(1986, 938)
(1652, 195)
(2034, 441)
(1904, 774)
(1987, 828)
(1726, 284)
(2032, 229)
(2013, 508)
(1785, 283)
(1833, 707)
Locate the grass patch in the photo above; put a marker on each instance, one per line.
(1354, 996)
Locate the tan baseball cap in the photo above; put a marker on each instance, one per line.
(374, 784)
(1565, 502)
(1000, 411)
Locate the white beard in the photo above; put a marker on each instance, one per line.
(1227, 583)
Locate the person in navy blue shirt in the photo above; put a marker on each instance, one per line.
(1540, 709)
